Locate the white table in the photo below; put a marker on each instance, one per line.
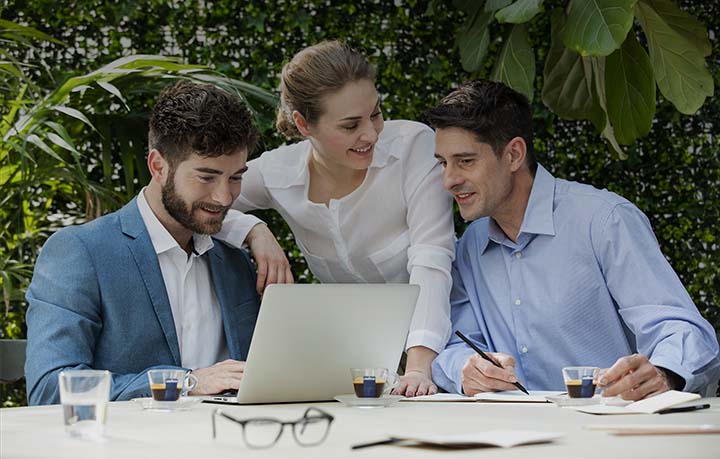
(132, 432)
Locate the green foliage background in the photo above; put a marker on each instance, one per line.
(673, 174)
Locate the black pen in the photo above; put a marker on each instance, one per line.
(389, 441)
(681, 409)
(488, 358)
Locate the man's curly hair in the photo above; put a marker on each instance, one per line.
(202, 119)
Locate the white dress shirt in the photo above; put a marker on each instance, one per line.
(195, 308)
(396, 227)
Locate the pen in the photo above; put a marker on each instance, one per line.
(681, 409)
(389, 441)
(488, 358)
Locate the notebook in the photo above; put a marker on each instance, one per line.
(510, 396)
(646, 406)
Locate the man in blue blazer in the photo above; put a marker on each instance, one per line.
(147, 287)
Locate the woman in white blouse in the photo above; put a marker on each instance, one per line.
(363, 197)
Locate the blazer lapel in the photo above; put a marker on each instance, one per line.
(148, 265)
(229, 312)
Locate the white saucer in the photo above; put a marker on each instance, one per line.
(368, 402)
(565, 400)
(183, 403)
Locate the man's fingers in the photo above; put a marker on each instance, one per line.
(488, 384)
(493, 372)
(504, 359)
(621, 367)
(631, 381)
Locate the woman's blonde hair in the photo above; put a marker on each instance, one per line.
(313, 73)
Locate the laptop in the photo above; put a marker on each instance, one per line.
(308, 336)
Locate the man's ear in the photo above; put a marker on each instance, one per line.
(301, 123)
(516, 149)
(158, 166)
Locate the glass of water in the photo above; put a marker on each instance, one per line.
(84, 396)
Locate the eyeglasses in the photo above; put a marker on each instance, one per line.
(310, 430)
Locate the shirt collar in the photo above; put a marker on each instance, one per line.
(539, 212)
(538, 218)
(381, 157)
(161, 238)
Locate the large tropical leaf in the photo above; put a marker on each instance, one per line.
(678, 64)
(473, 41)
(631, 96)
(519, 12)
(683, 23)
(597, 27)
(494, 5)
(568, 88)
(515, 65)
(470, 7)
(598, 66)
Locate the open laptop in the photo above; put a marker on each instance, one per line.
(308, 336)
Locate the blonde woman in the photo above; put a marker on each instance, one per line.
(362, 196)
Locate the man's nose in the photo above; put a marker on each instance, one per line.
(222, 194)
(450, 178)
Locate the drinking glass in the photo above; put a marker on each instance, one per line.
(84, 395)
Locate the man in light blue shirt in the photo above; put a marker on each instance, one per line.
(553, 273)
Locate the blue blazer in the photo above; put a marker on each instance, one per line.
(97, 300)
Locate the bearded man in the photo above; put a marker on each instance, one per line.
(147, 286)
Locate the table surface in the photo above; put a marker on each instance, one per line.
(132, 432)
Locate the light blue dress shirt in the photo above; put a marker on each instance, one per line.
(585, 284)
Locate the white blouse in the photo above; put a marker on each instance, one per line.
(396, 227)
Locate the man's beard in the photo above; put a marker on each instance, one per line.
(178, 209)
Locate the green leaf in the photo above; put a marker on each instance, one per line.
(60, 142)
(597, 27)
(519, 12)
(473, 43)
(37, 141)
(113, 90)
(678, 65)
(28, 32)
(494, 5)
(515, 65)
(683, 23)
(598, 67)
(568, 88)
(77, 114)
(631, 96)
(62, 139)
(470, 7)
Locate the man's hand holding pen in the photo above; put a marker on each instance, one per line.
(479, 375)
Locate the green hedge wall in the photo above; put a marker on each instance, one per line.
(673, 174)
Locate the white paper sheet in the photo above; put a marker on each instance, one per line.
(648, 406)
(516, 396)
(440, 397)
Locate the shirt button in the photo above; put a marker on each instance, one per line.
(524, 349)
(518, 255)
(517, 302)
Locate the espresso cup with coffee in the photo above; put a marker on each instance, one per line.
(373, 382)
(169, 385)
(580, 381)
